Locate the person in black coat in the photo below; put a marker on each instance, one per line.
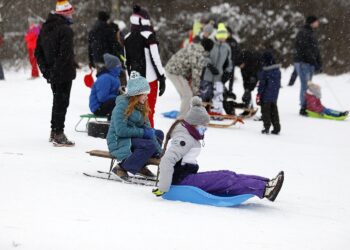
(102, 39)
(268, 90)
(55, 57)
(235, 53)
(307, 57)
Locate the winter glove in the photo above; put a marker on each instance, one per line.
(161, 85)
(258, 100)
(226, 76)
(157, 192)
(148, 133)
(213, 69)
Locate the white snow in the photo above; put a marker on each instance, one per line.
(47, 203)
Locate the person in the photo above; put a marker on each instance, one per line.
(179, 166)
(106, 87)
(184, 69)
(235, 52)
(31, 37)
(142, 55)
(250, 63)
(313, 102)
(101, 40)
(220, 68)
(55, 57)
(307, 58)
(293, 77)
(2, 76)
(268, 90)
(130, 137)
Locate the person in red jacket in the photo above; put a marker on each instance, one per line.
(313, 102)
(30, 38)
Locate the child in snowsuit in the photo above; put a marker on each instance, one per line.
(31, 38)
(106, 88)
(130, 137)
(268, 90)
(178, 165)
(313, 102)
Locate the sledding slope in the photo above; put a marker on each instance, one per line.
(46, 202)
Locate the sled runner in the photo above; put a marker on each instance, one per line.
(318, 115)
(88, 117)
(217, 121)
(198, 196)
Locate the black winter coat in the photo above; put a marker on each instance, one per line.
(102, 39)
(54, 50)
(252, 66)
(307, 48)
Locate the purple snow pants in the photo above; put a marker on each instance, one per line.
(225, 182)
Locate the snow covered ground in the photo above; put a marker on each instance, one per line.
(46, 202)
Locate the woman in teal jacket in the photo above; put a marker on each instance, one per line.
(130, 137)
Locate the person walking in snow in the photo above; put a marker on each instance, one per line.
(31, 39)
(307, 58)
(142, 55)
(55, 57)
(185, 68)
(179, 166)
(268, 90)
(2, 76)
(313, 102)
(130, 137)
(106, 87)
(235, 52)
(220, 69)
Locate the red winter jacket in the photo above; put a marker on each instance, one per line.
(313, 103)
(31, 36)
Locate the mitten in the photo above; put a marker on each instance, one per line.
(161, 85)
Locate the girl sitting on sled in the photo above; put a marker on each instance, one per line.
(178, 166)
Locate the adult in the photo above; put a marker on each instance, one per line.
(142, 55)
(55, 56)
(185, 68)
(130, 137)
(307, 58)
(106, 87)
(31, 38)
(179, 164)
(102, 39)
(220, 68)
(2, 76)
(235, 52)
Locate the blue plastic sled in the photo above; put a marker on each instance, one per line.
(171, 114)
(198, 196)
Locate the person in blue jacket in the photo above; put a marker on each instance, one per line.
(106, 87)
(131, 139)
(268, 90)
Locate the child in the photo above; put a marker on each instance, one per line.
(269, 87)
(179, 165)
(130, 137)
(106, 88)
(313, 102)
(30, 39)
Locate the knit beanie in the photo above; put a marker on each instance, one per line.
(208, 28)
(103, 16)
(63, 7)
(311, 19)
(140, 16)
(111, 61)
(221, 33)
(268, 59)
(197, 115)
(137, 85)
(314, 89)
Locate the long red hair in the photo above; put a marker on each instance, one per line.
(134, 103)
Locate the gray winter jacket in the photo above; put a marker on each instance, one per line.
(183, 147)
(220, 57)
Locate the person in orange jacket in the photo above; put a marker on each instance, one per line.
(30, 38)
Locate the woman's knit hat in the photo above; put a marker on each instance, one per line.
(197, 115)
(63, 7)
(111, 61)
(137, 85)
(140, 16)
(222, 32)
(314, 89)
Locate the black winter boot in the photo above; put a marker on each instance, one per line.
(274, 186)
(61, 140)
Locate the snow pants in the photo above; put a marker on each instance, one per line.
(218, 98)
(184, 89)
(270, 115)
(61, 95)
(142, 150)
(152, 100)
(106, 109)
(331, 112)
(227, 183)
(32, 60)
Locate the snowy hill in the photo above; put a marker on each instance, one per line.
(46, 202)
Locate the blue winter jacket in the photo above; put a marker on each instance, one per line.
(269, 83)
(105, 88)
(122, 129)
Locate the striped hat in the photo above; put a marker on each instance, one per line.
(221, 33)
(63, 7)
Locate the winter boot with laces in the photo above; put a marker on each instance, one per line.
(145, 172)
(274, 186)
(120, 172)
(60, 140)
